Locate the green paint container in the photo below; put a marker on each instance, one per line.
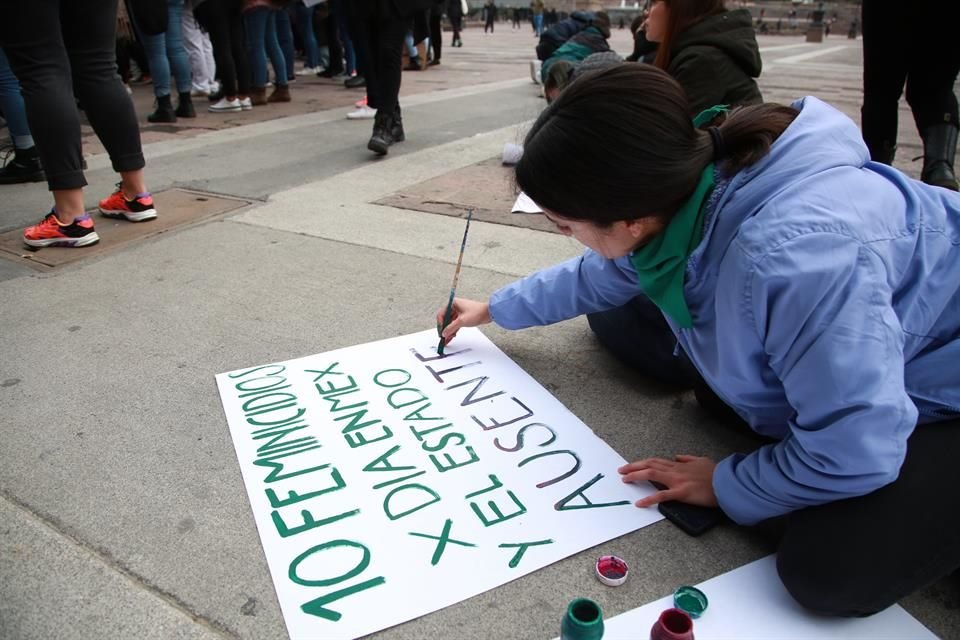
(582, 621)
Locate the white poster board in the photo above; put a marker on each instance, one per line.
(750, 603)
(387, 482)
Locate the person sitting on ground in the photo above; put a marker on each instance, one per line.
(816, 292)
(643, 49)
(554, 37)
(591, 39)
(711, 52)
(563, 72)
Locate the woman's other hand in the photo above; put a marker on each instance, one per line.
(686, 478)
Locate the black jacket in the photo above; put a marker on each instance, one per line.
(716, 61)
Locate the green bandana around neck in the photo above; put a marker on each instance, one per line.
(662, 263)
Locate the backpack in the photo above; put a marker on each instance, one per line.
(555, 36)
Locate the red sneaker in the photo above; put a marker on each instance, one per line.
(137, 210)
(53, 233)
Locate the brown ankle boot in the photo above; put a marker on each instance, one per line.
(258, 96)
(280, 94)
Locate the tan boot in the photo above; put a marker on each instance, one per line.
(258, 96)
(280, 94)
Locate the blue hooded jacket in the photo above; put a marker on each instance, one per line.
(825, 298)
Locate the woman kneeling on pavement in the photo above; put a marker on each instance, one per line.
(817, 293)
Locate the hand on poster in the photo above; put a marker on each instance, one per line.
(688, 479)
(464, 313)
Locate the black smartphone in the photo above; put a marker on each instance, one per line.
(690, 518)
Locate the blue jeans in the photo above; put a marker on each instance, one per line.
(285, 40)
(349, 53)
(538, 24)
(166, 53)
(261, 42)
(11, 103)
(305, 24)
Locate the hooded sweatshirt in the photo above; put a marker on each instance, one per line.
(716, 61)
(825, 297)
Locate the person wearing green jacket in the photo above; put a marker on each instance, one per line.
(711, 52)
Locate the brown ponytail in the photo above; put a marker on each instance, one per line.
(748, 133)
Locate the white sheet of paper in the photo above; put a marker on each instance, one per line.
(387, 483)
(750, 603)
(525, 205)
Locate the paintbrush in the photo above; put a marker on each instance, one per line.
(453, 287)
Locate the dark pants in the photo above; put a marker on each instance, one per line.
(436, 32)
(221, 19)
(907, 42)
(59, 50)
(456, 24)
(858, 556)
(638, 336)
(378, 40)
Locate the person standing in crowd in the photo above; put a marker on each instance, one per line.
(922, 58)
(455, 14)
(168, 61)
(536, 12)
(222, 20)
(62, 52)
(260, 18)
(285, 40)
(200, 53)
(25, 165)
(816, 292)
(489, 16)
(436, 31)
(379, 28)
(311, 50)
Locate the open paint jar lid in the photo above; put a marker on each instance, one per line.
(691, 600)
(612, 570)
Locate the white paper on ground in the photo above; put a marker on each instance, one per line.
(525, 205)
(750, 603)
(342, 452)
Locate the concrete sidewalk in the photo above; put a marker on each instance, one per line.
(122, 509)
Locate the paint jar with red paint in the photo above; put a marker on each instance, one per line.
(673, 624)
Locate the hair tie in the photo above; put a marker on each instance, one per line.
(719, 149)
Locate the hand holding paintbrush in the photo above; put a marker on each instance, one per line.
(459, 312)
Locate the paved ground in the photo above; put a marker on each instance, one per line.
(122, 510)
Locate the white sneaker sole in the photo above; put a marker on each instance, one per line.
(363, 116)
(90, 238)
(132, 216)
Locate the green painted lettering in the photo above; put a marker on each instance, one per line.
(432, 498)
(562, 504)
(451, 462)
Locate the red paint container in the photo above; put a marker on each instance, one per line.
(673, 624)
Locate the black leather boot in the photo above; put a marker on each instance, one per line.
(397, 128)
(884, 153)
(185, 106)
(382, 136)
(939, 152)
(25, 167)
(164, 111)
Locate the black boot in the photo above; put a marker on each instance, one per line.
(185, 106)
(382, 136)
(397, 129)
(939, 152)
(164, 112)
(884, 153)
(25, 167)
